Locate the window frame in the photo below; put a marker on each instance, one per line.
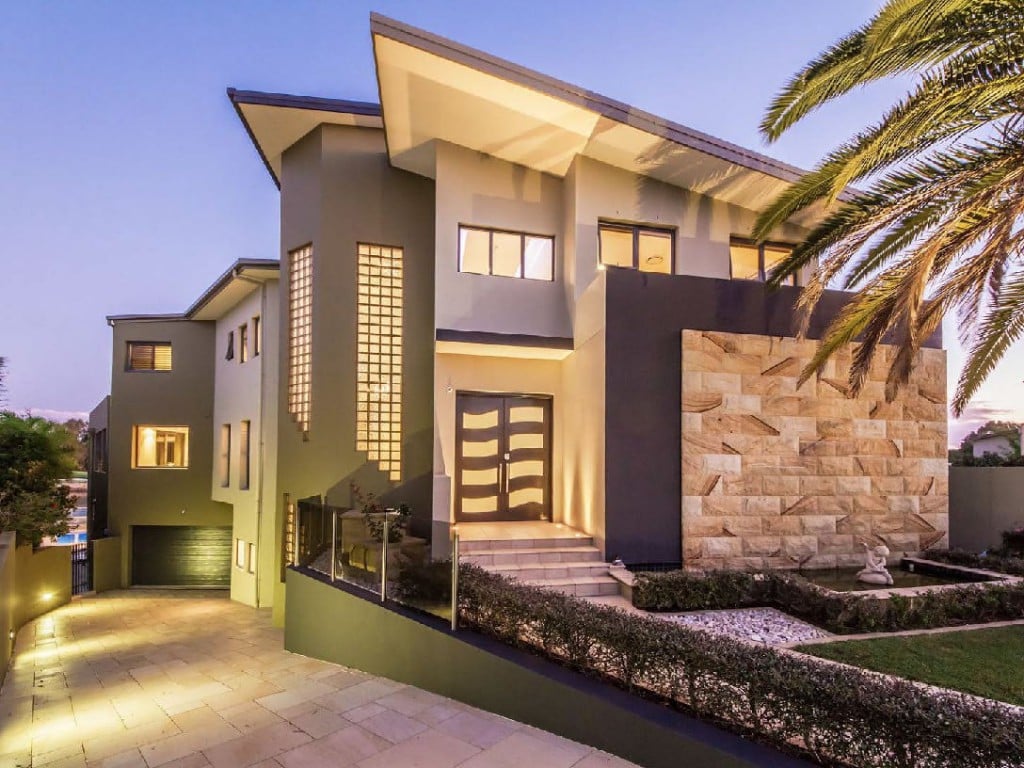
(137, 428)
(244, 454)
(243, 343)
(128, 356)
(636, 229)
(491, 231)
(224, 456)
(761, 271)
(257, 345)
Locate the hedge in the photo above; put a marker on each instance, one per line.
(838, 715)
(838, 612)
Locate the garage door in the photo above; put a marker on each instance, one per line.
(181, 556)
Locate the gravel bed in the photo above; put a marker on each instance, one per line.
(760, 625)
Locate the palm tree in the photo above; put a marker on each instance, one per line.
(940, 225)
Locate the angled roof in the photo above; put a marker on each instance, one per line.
(240, 279)
(275, 121)
(434, 89)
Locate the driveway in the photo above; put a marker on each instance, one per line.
(191, 679)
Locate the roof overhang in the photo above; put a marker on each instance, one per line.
(241, 279)
(275, 121)
(513, 113)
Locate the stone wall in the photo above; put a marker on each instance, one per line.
(776, 476)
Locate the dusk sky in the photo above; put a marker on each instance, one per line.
(128, 183)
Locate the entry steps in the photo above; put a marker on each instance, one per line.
(572, 564)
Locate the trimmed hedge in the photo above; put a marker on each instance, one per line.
(838, 612)
(837, 714)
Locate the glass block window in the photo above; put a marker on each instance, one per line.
(379, 357)
(300, 335)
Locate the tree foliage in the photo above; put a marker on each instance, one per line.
(35, 455)
(938, 229)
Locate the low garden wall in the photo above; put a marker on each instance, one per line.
(106, 564)
(31, 583)
(339, 625)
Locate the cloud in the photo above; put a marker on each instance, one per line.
(978, 413)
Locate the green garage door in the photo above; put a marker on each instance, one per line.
(181, 556)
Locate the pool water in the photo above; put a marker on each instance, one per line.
(845, 579)
(73, 538)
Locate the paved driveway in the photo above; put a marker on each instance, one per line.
(148, 678)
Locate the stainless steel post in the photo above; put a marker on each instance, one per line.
(334, 545)
(384, 562)
(455, 579)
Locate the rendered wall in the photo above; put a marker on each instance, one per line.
(106, 564)
(338, 190)
(42, 581)
(7, 601)
(181, 396)
(984, 502)
(476, 189)
(775, 476)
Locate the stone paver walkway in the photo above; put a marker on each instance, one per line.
(190, 679)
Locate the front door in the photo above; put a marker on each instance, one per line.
(503, 458)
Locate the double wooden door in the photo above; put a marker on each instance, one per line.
(503, 457)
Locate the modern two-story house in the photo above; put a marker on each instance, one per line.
(508, 300)
(180, 445)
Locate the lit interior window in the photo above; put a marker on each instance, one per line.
(655, 251)
(159, 447)
(379, 358)
(300, 335)
(616, 247)
(773, 255)
(746, 264)
(506, 254)
(149, 356)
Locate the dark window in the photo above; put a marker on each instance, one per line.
(149, 356)
(635, 246)
(485, 251)
(243, 456)
(243, 342)
(750, 261)
(257, 341)
(230, 353)
(99, 450)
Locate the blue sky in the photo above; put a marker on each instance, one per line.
(128, 183)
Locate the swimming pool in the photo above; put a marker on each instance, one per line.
(73, 538)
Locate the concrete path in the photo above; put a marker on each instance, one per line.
(190, 679)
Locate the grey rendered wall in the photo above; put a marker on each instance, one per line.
(99, 419)
(984, 502)
(182, 396)
(338, 190)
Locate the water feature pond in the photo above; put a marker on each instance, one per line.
(845, 579)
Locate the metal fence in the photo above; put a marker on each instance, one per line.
(81, 568)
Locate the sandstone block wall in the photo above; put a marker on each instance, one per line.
(776, 476)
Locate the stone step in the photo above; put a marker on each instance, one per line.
(531, 556)
(548, 571)
(582, 586)
(487, 545)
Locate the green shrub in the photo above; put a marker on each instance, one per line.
(840, 715)
(839, 612)
(429, 581)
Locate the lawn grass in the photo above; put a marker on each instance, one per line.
(985, 662)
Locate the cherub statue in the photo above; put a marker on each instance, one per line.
(874, 571)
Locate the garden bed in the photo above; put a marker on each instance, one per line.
(837, 714)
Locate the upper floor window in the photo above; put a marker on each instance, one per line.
(243, 456)
(99, 451)
(229, 353)
(159, 447)
(224, 460)
(506, 254)
(750, 261)
(257, 341)
(149, 356)
(243, 342)
(648, 249)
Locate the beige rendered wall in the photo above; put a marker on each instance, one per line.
(476, 189)
(240, 396)
(775, 476)
(106, 564)
(703, 225)
(182, 396)
(7, 601)
(475, 373)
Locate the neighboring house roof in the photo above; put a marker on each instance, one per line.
(513, 113)
(236, 283)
